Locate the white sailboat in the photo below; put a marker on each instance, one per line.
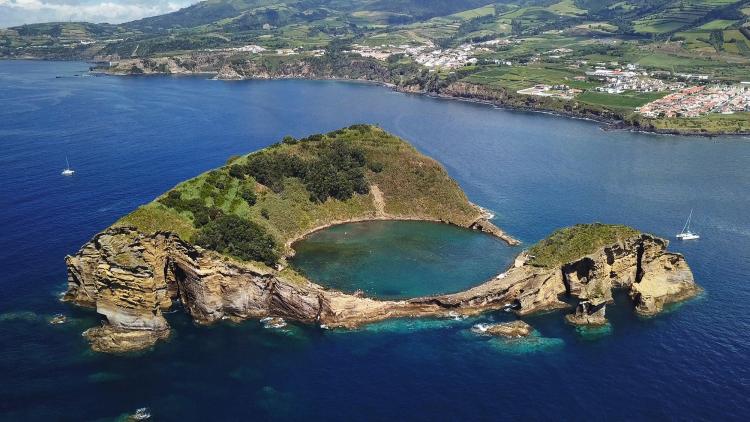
(68, 171)
(686, 234)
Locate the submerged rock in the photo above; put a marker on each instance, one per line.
(26, 316)
(58, 319)
(512, 329)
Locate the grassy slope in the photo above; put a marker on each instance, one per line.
(520, 77)
(413, 186)
(708, 124)
(626, 101)
(570, 243)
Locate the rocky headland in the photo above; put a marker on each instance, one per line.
(170, 253)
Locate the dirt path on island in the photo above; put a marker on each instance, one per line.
(378, 200)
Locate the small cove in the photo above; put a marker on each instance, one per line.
(400, 259)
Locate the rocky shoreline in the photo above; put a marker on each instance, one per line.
(461, 91)
(132, 278)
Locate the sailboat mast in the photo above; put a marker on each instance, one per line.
(686, 234)
(686, 223)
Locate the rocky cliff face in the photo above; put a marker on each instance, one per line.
(176, 65)
(642, 265)
(226, 68)
(131, 278)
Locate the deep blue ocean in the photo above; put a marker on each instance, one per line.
(131, 138)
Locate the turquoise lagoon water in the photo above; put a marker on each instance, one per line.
(130, 139)
(401, 259)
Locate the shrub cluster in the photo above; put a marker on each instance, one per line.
(337, 171)
(336, 175)
(248, 194)
(313, 138)
(216, 180)
(202, 214)
(244, 239)
(271, 169)
(376, 167)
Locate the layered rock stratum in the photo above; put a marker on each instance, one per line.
(132, 274)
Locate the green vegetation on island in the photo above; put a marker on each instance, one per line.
(235, 236)
(570, 243)
(255, 205)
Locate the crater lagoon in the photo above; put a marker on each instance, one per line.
(401, 259)
(131, 138)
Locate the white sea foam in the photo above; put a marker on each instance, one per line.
(141, 414)
(456, 316)
(273, 322)
(488, 213)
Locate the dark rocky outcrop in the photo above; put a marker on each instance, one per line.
(485, 226)
(589, 313)
(513, 329)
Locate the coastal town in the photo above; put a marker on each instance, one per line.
(661, 94)
(696, 101)
(682, 98)
(617, 81)
(427, 55)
